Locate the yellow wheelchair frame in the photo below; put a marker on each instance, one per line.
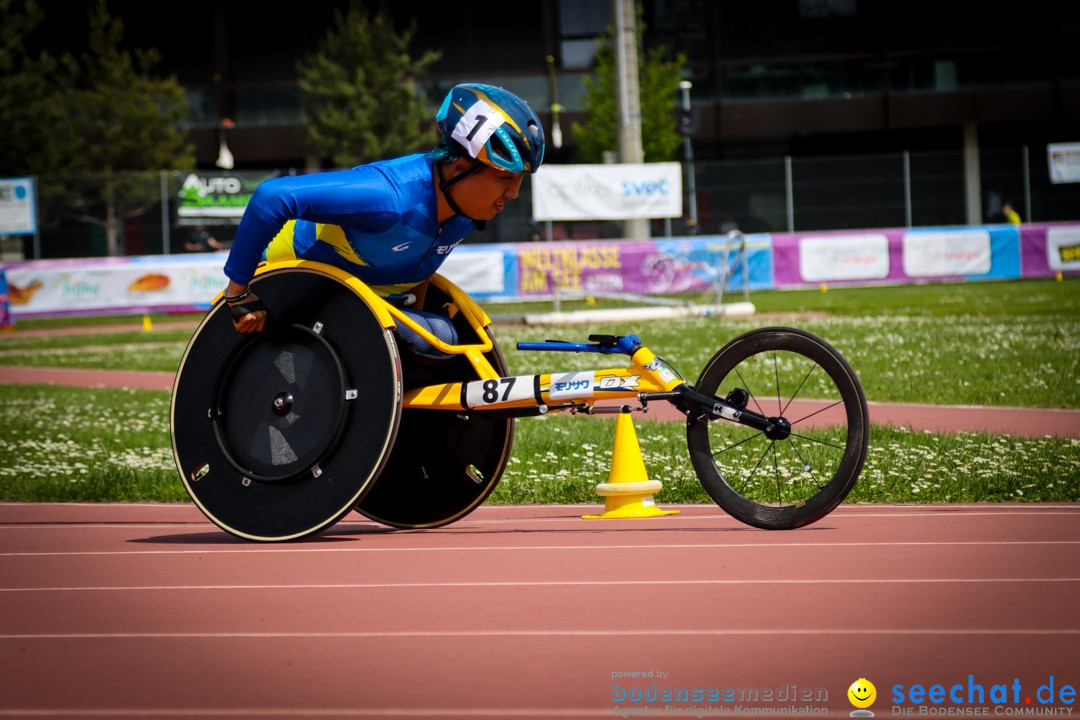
(446, 431)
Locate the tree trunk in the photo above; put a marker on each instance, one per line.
(112, 222)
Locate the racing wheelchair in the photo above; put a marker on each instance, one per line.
(281, 434)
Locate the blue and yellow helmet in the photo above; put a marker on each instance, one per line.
(494, 126)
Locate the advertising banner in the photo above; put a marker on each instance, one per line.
(607, 192)
(217, 198)
(480, 270)
(18, 206)
(576, 266)
(663, 266)
(7, 320)
(116, 285)
(674, 265)
(847, 256)
(844, 257)
(955, 252)
(708, 260)
(1064, 160)
(1063, 248)
(986, 252)
(1049, 249)
(896, 255)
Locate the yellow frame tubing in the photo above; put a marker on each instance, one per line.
(389, 316)
(555, 390)
(492, 391)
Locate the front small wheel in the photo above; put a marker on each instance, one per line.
(784, 479)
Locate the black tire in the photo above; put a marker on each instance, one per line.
(444, 464)
(278, 435)
(782, 482)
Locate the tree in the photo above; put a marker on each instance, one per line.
(25, 85)
(118, 129)
(359, 92)
(657, 83)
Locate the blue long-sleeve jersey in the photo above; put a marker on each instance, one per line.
(378, 222)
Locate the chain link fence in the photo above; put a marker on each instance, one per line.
(78, 215)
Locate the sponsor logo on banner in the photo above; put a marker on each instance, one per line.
(217, 199)
(569, 267)
(1064, 160)
(607, 192)
(18, 215)
(1063, 248)
(89, 285)
(939, 254)
(844, 257)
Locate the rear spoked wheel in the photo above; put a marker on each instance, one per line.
(801, 468)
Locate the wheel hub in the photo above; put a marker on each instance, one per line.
(283, 403)
(779, 429)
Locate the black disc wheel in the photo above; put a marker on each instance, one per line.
(279, 434)
(281, 404)
(444, 464)
(804, 465)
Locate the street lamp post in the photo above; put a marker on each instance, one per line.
(688, 149)
(556, 129)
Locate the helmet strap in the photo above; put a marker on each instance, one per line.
(444, 186)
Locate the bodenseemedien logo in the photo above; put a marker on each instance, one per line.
(862, 695)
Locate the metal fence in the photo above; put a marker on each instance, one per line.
(915, 189)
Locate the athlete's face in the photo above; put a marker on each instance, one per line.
(483, 194)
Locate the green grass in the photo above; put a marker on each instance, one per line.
(562, 459)
(71, 444)
(96, 320)
(1015, 344)
(989, 298)
(1008, 298)
(954, 360)
(994, 343)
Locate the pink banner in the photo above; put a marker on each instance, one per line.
(617, 266)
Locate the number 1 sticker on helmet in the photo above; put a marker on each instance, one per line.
(477, 126)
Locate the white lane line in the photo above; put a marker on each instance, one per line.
(621, 633)
(464, 524)
(310, 712)
(322, 548)
(494, 508)
(205, 525)
(541, 583)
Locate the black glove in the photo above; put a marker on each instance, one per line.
(248, 306)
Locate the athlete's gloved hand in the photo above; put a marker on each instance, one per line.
(249, 315)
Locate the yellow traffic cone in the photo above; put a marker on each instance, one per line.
(628, 491)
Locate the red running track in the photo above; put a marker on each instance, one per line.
(529, 612)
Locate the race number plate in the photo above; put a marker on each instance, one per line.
(504, 391)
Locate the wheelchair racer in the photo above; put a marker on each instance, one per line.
(392, 223)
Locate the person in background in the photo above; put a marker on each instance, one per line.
(1010, 214)
(200, 240)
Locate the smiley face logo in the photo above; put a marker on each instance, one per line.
(862, 693)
